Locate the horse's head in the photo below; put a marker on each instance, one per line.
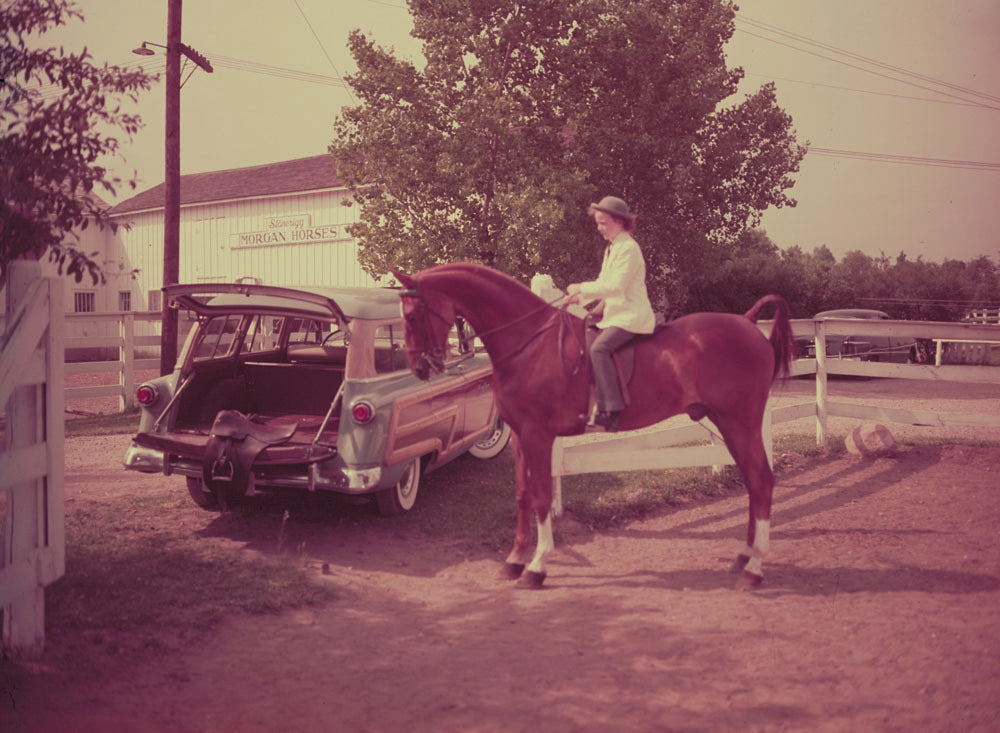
(427, 318)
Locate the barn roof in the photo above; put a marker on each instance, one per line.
(288, 176)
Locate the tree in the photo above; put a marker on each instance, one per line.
(526, 112)
(52, 143)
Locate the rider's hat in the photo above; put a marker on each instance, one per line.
(614, 206)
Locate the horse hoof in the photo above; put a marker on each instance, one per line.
(749, 581)
(532, 580)
(739, 563)
(511, 570)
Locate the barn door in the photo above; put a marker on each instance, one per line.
(32, 508)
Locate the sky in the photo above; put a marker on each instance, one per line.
(862, 80)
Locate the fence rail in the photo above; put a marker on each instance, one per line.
(124, 334)
(111, 343)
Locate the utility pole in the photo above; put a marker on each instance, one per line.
(172, 173)
(172, 186)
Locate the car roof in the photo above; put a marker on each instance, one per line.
(853, 313)
(345, 303)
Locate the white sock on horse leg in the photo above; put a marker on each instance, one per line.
(762, 537)
(761, 546)
(545, 546)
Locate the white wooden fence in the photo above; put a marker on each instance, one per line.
(122, 332)
(677, 442)
(132, 336)
(31, 465)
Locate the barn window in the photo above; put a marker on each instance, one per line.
(84, 301)
(124, 300)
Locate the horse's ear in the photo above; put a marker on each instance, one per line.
(405, 280)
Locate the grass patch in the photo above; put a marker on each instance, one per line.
(607, 500)
(125, 422)
(468, 499)
(126, 570)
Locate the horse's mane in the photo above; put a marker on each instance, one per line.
(499, 281)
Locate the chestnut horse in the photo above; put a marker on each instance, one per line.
(714, 365)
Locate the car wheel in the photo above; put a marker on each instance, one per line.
(401, 497)
(492, 444)
(203, 496)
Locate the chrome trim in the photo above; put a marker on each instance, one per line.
(347, 480)
(146, 460)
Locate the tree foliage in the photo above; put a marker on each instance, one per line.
(905, 289)
(58, 112)
(525, 112)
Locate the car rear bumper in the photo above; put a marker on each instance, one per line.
(321, 475)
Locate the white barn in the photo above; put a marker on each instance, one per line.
(281, 223)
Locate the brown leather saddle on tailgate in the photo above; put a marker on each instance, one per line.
(234, 442)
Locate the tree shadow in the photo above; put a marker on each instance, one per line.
(892, 470)
(790, 580)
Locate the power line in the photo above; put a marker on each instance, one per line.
(157, 64)
(866, 91)
(906, 159)
(868, 60)
(876, 73)
(322, 47)
(254, 67)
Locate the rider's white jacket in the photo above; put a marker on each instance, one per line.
(621, 284)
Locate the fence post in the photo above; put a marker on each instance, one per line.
(821, 412)
(126, 355)
(767, 430)
(714, 439)
(33, 549)
(557, 468)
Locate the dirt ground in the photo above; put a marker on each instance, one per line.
(878, 612)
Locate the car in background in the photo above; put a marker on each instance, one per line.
(309, 388)
(864, 348)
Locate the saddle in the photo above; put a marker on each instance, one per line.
(234, 442)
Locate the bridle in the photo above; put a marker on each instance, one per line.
(434, 356)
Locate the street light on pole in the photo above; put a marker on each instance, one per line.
(172, 172)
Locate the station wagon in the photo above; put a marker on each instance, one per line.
(309, 388)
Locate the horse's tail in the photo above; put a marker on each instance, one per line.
(781, 332)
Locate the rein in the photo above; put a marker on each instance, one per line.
(436, 356)
(563, 324)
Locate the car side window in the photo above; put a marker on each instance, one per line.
(308, 331)
(390, 349)
(217, 337)
(263, 334)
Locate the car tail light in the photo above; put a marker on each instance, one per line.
(146, 395)
(362, 412)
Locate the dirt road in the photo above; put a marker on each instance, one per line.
(878, 613)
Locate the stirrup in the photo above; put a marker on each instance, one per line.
(606, 421)
(222, 470)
